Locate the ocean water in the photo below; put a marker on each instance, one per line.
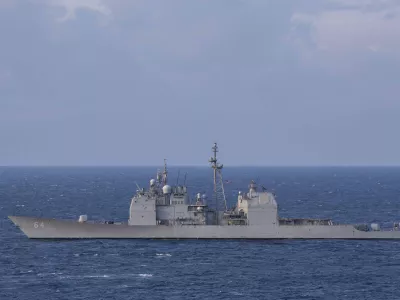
(192, 269)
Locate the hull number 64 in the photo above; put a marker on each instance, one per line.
(38, 224)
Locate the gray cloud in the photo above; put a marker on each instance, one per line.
(71, 7)
(348, 30)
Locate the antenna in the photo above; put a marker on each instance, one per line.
(257, 182)
(137, 186)
(184, 181)
(165, 173)
(177, 179)
(159, 179)
(219, 192)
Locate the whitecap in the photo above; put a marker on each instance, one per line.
(47, 274)
(84, 276)
(163, 254)
(97, 276)
(236, 293)
(146, 275)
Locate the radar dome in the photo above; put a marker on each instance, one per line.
(82, 218)
(166, 189)
(204, 196)
(152, 182)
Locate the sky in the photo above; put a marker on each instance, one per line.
(131, 82)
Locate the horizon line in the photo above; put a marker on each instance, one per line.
(201, 166)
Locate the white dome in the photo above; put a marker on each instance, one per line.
(204, 196)
(198, 195)
(166, 189)
(82, 218)
(152, 182)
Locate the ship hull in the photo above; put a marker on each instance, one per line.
(43, 228)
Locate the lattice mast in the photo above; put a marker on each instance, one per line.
(165, 173)
(219, 192)
(162, 177)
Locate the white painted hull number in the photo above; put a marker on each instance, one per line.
(38, 224)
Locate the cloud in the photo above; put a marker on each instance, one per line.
(72, 6)
(375, 5)
(348, 29)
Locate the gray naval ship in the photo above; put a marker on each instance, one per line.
(167, 212)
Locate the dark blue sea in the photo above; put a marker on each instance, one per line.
(196, 269)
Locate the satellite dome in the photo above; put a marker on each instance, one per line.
(152, 182)
(204, 196)
(166, 189)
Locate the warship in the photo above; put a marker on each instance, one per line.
(163, 211)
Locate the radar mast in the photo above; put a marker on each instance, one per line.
(165, 173)
(219, 192)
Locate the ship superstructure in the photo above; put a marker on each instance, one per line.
(166, 205)
(163, 204)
